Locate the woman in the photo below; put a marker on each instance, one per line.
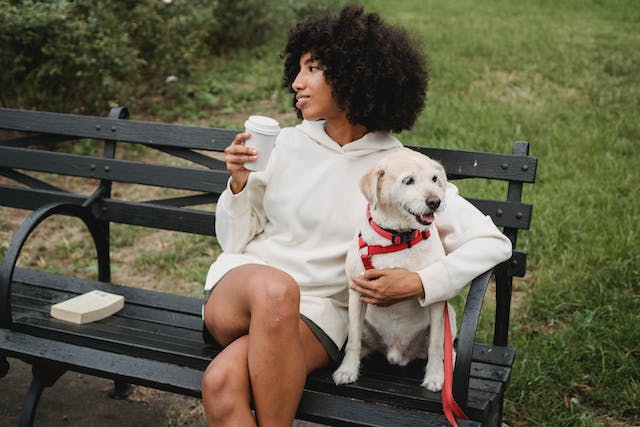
(277, 296)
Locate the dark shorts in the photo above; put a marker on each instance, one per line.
(330, 347)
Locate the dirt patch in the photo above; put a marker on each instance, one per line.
(612, 422)
(82, 400)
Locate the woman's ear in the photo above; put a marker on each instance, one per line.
(370, 185)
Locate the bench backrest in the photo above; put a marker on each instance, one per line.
(29, 148)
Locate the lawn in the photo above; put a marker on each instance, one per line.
(563, 76)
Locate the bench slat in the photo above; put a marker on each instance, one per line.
(118, 340)
(505, 213)
(474, 164)
(144, 297)
(116, 170)
(158, 216)
(384, 390)
(151, 319)
(133, 213)
(328, 408)
(135, 370)
(118, 130)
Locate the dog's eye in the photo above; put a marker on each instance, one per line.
(408, 180)
(435, 178)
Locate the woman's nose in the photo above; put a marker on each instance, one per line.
(298, 83)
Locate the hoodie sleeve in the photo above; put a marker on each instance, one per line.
(239, 217)
(473, 245)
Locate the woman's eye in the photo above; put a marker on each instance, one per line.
(315, 67)
(408, 180)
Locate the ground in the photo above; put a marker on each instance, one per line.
(82, 400)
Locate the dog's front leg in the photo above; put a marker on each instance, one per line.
(350, 366)
(434, 376)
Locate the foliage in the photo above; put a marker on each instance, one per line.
(243, 23)
(82, 55)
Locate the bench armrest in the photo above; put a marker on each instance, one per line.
(100, 239)
(466, 337)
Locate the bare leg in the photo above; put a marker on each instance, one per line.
(227, 373)
(254, 311)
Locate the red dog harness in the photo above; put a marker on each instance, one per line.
(399, 242)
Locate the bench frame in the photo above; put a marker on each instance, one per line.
(481, 372)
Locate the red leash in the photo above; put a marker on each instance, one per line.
(449, 404)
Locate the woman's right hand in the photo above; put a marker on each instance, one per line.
(235, 156)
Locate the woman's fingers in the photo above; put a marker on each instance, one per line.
(235, 156)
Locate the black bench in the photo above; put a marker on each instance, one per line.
(155, 340)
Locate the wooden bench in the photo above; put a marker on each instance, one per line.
(155, 341)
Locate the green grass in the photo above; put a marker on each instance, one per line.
(563, 76)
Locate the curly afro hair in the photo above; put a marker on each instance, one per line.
(376, 72)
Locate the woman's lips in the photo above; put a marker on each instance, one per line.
(301, 101)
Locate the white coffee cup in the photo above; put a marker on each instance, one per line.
(264, 131)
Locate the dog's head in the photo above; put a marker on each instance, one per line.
(405, 190)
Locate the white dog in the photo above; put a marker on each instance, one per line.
(405, 190)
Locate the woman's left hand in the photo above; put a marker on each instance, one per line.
(387, 286)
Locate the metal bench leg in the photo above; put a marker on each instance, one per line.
(121, 390)
(4, 366)
(43, 376)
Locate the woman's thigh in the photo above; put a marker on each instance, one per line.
(315, 355)
(227, 312)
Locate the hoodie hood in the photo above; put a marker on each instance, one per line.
(371, 142)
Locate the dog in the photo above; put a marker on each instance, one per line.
(405, 192)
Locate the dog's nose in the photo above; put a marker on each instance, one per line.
(433, 203)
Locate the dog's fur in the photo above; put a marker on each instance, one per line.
(404, 191)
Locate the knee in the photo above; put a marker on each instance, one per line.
(279, 301)
(221, 390)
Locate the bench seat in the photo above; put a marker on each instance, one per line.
(160, 334)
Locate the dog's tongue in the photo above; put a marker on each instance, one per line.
(428, 217)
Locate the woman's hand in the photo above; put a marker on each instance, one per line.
(388, 286)
(235, 156)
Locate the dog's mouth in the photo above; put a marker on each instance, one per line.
(425, 218)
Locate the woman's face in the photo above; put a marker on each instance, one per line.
(314, 97)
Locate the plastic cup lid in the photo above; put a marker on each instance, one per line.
(263, 124)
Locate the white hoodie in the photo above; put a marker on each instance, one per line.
(302, 212)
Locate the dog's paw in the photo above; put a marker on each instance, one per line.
(348, 370)
(345, 375)
(433, 382)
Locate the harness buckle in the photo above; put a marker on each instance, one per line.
(400, 238)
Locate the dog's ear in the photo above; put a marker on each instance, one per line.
(370, 185)
(444, 174)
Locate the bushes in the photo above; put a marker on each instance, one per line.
(83, 55)
(66, 54)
